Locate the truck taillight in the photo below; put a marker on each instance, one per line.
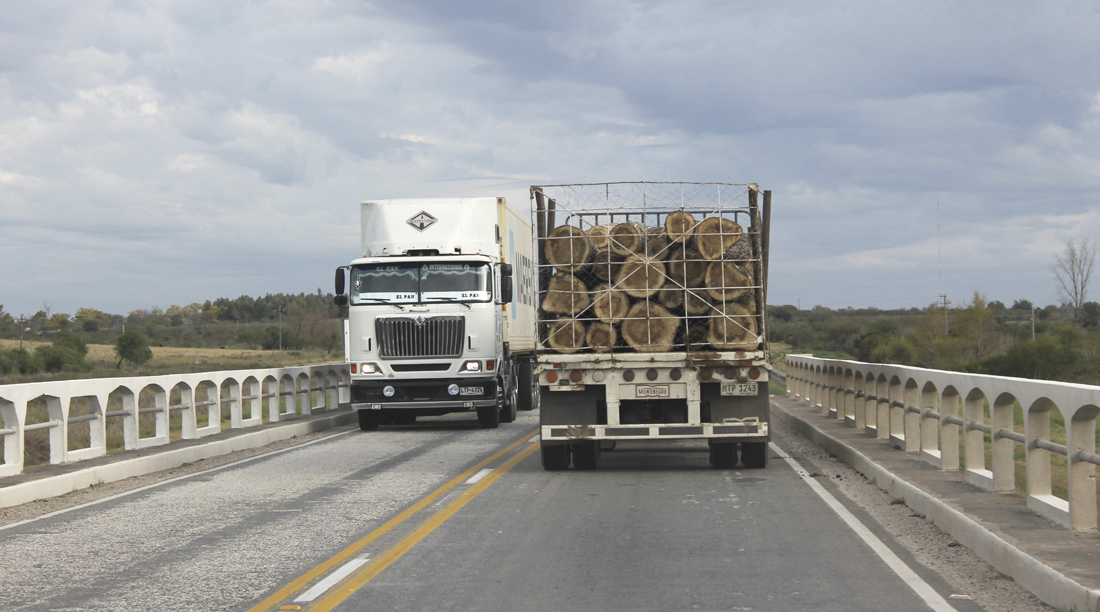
(551, 377)
(754, 373)
(576, 376)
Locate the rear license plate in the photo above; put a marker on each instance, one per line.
(471, 391)
(749, 388)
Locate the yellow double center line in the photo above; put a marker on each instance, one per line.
(375, 566)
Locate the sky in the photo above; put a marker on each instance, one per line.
(169, 152)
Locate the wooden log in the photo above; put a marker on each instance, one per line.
(672, 299)
(697, 332)
(650, 328)
(628, 238)
(606, 265)
(565, 295)
(567, 248)
(686, 267)
(734, 329)
(601, 337)
(715, 235)
(609, 306)
(679, 226)
(727, 281)
(656, 242)
(600, 238)
(696, 302)
(740, 252)
(566, 335)
(641, 277)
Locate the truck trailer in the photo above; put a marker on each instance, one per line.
(439, 311)
(651, 303)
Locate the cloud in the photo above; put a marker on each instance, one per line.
(182, 151)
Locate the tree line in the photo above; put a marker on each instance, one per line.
(1056, 342)
(57, 342)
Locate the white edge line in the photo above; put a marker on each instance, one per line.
(915, 582)
(331, 580)
(170, 481)
(476, 477)
(534, 438)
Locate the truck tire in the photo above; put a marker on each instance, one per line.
(754, 455)
(528, 392)
(368, 420)
(489, 417)
(555, 457)
(586, 455)
(508, 411)
(723, 455)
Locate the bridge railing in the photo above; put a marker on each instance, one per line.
(927, 412)
(200, 400)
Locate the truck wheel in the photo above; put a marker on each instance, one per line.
(723, 455)
(555, 457)
(528, 392)
(586, 455)
(754, 455)
(508, 412)
(489, 417)
(368, 420)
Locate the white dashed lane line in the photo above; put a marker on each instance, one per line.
(332, 579)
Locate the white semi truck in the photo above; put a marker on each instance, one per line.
(440, 311)
(651, 319)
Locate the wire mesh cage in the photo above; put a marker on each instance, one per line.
(649, 267)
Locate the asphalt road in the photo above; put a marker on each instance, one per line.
(443, 515)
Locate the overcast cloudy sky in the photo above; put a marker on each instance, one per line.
(167, 152)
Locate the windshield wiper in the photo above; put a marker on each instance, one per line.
(384, 301)
(453, 299)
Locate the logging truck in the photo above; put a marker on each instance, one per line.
(650, 319)
(440, 313)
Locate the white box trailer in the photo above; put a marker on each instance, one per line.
(440, 311)
(651, 318)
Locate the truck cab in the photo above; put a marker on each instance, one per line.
(426, 330)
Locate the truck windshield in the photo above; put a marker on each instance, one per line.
(409, 283)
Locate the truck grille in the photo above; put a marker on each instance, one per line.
(416, 337)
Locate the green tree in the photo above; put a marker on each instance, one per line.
(133, 347)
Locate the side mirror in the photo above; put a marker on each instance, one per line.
(341, 301)
(340, 283)
(506, 288)
(506, 271)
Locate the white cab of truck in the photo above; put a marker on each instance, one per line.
(440, 311)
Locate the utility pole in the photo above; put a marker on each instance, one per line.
(946, 322)
(280, 329)
(22, 324)
(1033, 323)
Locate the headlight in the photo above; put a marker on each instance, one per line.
(388, 391)
(453, 389)
(368, 368)
(471, 366)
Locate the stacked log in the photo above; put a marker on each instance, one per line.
(687, 283)
(566, 295)
(566, 335)
(640, 276)
(568, 249)
(609, 306)
(650, 328)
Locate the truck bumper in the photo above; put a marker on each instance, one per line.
(455, 406)
(427, 395)
(743, 431)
